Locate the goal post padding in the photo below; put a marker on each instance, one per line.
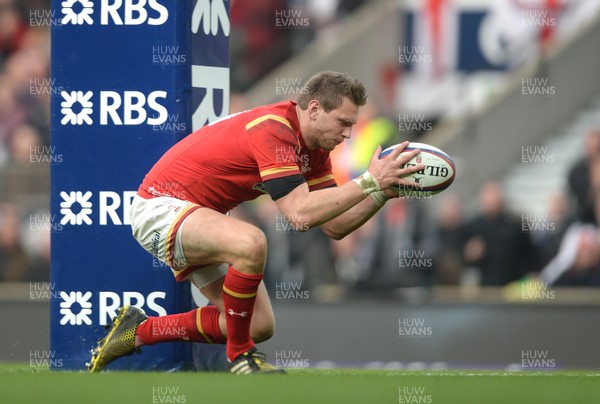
(130, 79)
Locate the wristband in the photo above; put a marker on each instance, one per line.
(379, 198)
(367, 183)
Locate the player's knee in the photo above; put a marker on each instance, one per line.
(253, 250)
(263, 329)
(263, 334)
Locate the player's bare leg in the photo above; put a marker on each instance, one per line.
(210, 237)
(239, 318)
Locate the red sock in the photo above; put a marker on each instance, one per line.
(239, 294)
(199, 325)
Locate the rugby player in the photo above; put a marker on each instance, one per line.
(180, 214)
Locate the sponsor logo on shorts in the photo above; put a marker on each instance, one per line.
(155, 243)
(175, 208)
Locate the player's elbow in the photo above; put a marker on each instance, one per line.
(333, 233)
(299, 222)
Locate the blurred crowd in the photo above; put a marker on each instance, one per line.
(24, 141)
(264, 33)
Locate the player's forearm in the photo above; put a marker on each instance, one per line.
(318, 207)
(331, 203)
(344, 224)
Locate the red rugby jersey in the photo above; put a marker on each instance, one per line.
(225, 163)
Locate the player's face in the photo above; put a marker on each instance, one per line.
(335, 126)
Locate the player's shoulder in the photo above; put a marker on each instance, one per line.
(281, 108)
(279, 114)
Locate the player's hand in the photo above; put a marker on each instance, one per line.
(388, 171)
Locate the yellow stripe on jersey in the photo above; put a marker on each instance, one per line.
(238, 295)
(319, 180)
(276, 170)
(266, 117)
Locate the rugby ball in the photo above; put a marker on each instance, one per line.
(438, 174)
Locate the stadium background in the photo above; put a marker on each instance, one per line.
(511, 94)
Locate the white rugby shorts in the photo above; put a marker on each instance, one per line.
(157, 224)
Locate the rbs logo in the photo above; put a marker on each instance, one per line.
(117, 12)
(76, 309)
(126, 108)
(78, 208)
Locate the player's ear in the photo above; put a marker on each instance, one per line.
(314, 107)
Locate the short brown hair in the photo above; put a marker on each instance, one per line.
(329, 88)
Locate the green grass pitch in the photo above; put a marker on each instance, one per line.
(25, 384)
